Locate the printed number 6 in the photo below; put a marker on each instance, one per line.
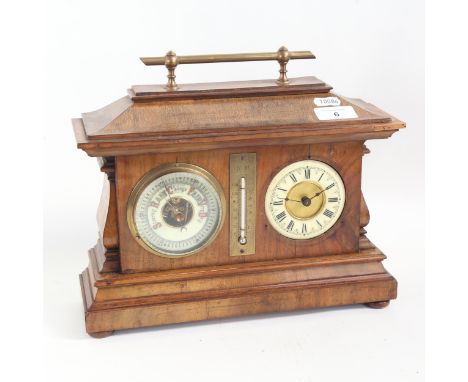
(336, 114)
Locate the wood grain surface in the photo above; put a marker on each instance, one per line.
(299, 85)
(117, 301)
(124, 119)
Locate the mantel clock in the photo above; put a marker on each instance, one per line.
(230, 199)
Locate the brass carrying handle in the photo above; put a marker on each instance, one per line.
(283, 55)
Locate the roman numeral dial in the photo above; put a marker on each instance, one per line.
(305, 199)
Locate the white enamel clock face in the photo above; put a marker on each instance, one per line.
(176, 210)
(305, 199)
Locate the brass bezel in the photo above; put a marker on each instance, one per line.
(162, 170)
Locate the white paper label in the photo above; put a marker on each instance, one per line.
(335, 112)
(327, 101)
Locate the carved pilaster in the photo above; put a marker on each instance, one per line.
(106, 251)
(365, 150)
(364, 216)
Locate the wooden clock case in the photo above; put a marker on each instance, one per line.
(125, 286)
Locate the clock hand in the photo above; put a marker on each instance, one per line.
(292, 200)
(306, 199)
(317, 194)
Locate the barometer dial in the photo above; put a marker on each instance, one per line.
(305, 199)
(176, 210)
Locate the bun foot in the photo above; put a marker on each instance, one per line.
(101, 334)
(378, 304)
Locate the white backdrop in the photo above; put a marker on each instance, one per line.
(366, 49)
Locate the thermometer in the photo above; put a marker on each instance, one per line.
(242, 203)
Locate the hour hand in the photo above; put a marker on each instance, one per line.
(305, 201)
(292, 200)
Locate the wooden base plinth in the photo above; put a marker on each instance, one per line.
(116, 301)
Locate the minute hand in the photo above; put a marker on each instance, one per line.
(318, 193)
(315, 195)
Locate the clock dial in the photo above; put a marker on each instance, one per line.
(176, 210)
(305, 199)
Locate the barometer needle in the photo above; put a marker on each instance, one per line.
(170, 197)
(186, 211)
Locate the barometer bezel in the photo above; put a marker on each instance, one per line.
(158, 172)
